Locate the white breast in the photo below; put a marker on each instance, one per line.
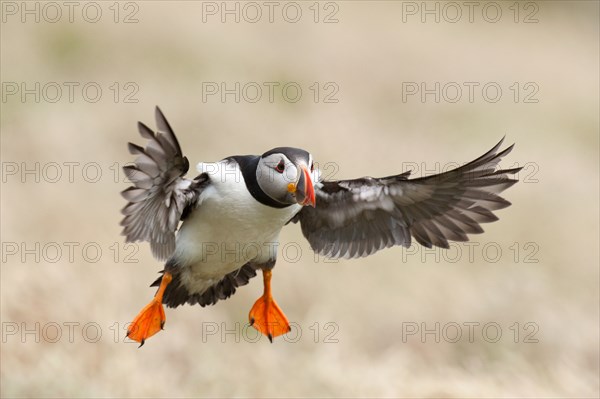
(228, 229)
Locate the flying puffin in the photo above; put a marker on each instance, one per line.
(233, 211)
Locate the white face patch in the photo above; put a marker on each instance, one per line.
(276, 171)
(275, 168)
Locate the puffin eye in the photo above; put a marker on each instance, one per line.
(280, 166)
(312, 167)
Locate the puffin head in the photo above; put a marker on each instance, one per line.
(286, 175)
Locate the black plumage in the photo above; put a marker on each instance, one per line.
(359, 217)
(176, 293)
(351, 218)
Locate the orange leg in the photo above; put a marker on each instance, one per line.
(152, 318)
(265, 315)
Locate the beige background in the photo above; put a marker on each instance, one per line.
(550, 282)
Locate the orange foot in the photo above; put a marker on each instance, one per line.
(152, 318)
(266, 316)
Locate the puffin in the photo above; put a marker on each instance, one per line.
(215, 231)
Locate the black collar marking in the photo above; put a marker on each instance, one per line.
(248, 165)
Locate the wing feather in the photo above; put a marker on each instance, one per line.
(359, 217)
(160, 193)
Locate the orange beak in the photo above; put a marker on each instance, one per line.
(304, 189)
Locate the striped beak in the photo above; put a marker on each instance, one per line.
(304, 189)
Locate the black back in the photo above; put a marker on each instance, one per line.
(293, 154)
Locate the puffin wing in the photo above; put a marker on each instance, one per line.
(159, 195)
(356, 218)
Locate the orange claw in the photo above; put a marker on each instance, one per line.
(152, 318)
(266, 316)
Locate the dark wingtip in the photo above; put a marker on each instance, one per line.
(501, 141)
(158, 113)
(135, 149)
(145, 131)
(161, 120)
(506, 151)
(163, 126)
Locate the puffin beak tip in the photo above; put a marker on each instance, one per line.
(305, 190)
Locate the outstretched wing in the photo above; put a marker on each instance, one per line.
(355, 218)
(159, 194)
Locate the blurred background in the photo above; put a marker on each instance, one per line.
(369, 88)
